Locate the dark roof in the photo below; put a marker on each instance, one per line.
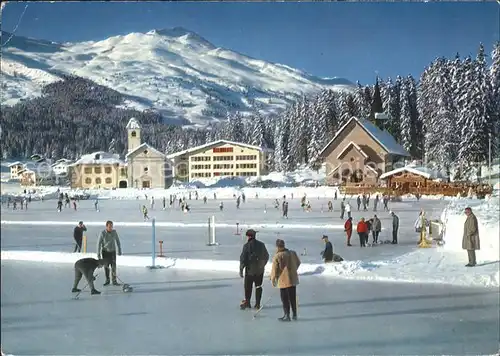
(382, 137)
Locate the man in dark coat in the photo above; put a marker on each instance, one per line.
(470, 240)
(253, 260)
(327, 253)
(85, 267)
(78, 236)
(395, 227)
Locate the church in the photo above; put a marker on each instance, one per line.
(143, 166)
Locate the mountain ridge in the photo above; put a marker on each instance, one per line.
(174, 71)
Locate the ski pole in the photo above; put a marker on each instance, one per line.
(262, 307)
(81, 290)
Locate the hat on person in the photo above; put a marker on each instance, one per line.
(280, 243)
(251, 233)
(80, 223)
(324, 237)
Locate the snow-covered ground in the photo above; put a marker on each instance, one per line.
(172, 312)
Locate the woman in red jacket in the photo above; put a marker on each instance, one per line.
(348, 230)
(362, 230)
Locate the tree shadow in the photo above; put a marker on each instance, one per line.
(401, 312)
(178, 289)
(187, 281)
(487, 263)
(391, 299)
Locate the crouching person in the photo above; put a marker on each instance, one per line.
(85, 267)
(284, 275)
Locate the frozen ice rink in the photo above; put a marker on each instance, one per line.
(172, 312)
(301, 231)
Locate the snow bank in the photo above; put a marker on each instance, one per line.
(488, 214)
(420, 266)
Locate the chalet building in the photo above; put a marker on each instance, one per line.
(15, 167)
(413, 179)
(98, 170)
(219, 159)
(60, 167)
(36, 173)
(359, 153)
(143, 166)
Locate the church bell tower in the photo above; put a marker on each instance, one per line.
(133, 134)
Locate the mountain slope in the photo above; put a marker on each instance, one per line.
(174, 71)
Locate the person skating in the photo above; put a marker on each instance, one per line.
(284, 275)
(327, 253)
(221, 206)
(376, 228)
(358, 201)
(107, 246)
(470, 239)
(330, 206)
(78, 236)
(348, 209)
(348, 230)
(342, 209)
(85, 267)
(164, 202)
(362, 230)
(395, 227)
(253, 260)
(145, 213)
(285, 209)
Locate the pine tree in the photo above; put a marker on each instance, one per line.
(494, 99)
(318, 128)
(392, 106)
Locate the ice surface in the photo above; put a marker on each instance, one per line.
(175, 312)
(301, 231)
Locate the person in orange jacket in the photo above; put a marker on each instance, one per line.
(348, 230)
(362, 230)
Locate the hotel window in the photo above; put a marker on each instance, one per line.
(146, 169)
(246, 158)
(223, 158)
(108, 180)
(88, 170)
(223, 166)
(222, 150)
(123, 172)
(246, 165)
(97, 170)
(200, 158)
(88, 180)
(98, 181)
(107, 170)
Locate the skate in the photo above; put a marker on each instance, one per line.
(294, 317)
(115, 283)
(245, 305)
(256, 306)
(285, 317)
(76, 290)
(106, 283)
(94, 292)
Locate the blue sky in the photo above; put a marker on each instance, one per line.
(351, 40)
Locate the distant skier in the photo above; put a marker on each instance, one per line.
(348, 230)
(375, 203)
(145, 213)
(152, 203)
(386, 202)
(327, 253)
(358, 201)
(395, 227)
(78, 236)
(221, 206)
(285, 209)
(376, 228)
(164, 201)
(342, 209)
(74, 204)
(85, 267)
(96, 204)
(330, 206)
(204, 200)
(348, 209)
(59, 205)
(238, 201)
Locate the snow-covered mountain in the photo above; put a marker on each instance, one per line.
(174, 71)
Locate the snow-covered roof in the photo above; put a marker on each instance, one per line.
(61, 161)
(133, 124)
(144, 146)
(215, 143)
(349, 145)
(425, 172)
(382, 137)
(99, 157)
(17, 163)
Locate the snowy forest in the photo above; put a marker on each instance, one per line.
(445, 118)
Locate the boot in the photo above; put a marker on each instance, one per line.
(258, 297)
(94, 292)
(76, 290)
(106, 283)
(294, 317)
(285, 317)
(244, 305)
(115, 283)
